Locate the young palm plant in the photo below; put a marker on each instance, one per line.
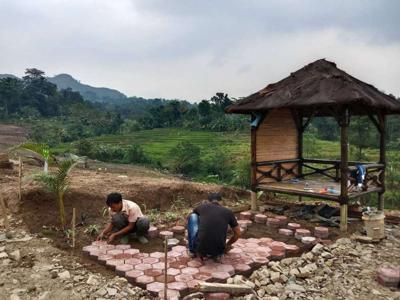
(58, 183)
(40, 149)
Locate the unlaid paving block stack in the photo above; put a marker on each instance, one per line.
(389, 277)
(293, 226)
(300, 233)
(178, 229)
(321, 232)
(245, 215)
(260, 218)
(273, 222)
(152, 232)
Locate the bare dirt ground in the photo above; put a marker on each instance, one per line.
(37, 262)
(11, 135)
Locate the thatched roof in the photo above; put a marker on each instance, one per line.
(318, 88)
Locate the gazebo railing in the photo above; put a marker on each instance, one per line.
(280, 170)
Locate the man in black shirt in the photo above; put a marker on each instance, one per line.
(207, 229)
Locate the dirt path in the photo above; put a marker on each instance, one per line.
(11, 135)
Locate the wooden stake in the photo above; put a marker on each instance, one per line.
(20, 178)
(343, 217)
(4, 209)
(253, 196)
(165, 267)
(73, 226)
(344, 167)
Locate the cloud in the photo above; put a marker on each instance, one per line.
(192, 49)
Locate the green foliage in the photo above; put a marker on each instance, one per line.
(242, 172)
(84, 147)
(185, 158)
(219, 163)
(58, 183)
(92, 230)
(135, 154)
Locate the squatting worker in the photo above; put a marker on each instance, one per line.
(126, 219)
(207, 229)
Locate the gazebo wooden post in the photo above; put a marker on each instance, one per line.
(253, 195)
(382, 159)
(344, 122)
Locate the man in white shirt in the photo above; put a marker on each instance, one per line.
(126, 217)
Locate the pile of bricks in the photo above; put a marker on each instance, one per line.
(184, 274)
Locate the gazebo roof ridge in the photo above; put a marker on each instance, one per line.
(318, 87)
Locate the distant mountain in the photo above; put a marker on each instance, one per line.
(90, 93)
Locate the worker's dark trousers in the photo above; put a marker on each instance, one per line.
(120, 221)
(193, 228)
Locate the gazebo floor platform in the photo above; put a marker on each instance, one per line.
(313, 187)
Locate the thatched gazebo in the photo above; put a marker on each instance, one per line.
(282, 111)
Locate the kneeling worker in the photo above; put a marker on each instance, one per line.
(126, 218)
(207, 229)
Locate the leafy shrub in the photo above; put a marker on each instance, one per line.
(136, 154)
(185, 158)
(242, 173)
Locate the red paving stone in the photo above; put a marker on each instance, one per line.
(173, 271)
(150, 260)
(184, 277)
(122, 269)
(143, 267)
(277, 255)
(131, 251)
(157, 254)
(94, 254)
(220, 276)
(242, 269)
(190, 270)
(103, 258)
(277, 246)
(123, 247)
(155, 287)
(217, 296)
(245, 215)
(86, 250)
(160, 266)
(286, 232)
(133, 261)
(203, 276)
(178, 229)
(179, 248)
(132, 275)
(260, 261)
(99, 243)
(171, 295)
(153, 272)
(300, 233)
(161, 278)
(178, 265)
(141, 255)
(179, 286)
(115, 251)
(273, 222)
(152, 232)
(112, 263)
(123, 256)
(293, 226)
(193, 284)
(106, 247)
(174, 254)
(389, 277)
(166, 233)
(143, 280)
(262, 219)
(321, 232)
(309, 240)
(292, 249)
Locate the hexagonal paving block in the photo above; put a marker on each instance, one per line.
(153, 272)
(106, 247)
(260, 261)
(184, 277)
(179, 248)
(132, 275)
(133, 261)
(152, 232)
(160, 266)
(242, 269)
(226, 268)
(321, 232)
(292, 249)
(179, 286)
(174, 254)
(115, 252)
(141, 255)
(161, 278)
(285, 232)
(99, 243)
(94, 254)
(300, 233)
(143, 267)
(173, 271)
(260, 218)
(123, 247)
(277, 255)
(202, 276)
(122, 269)
(157, 254)
(132, 251)
(277, 246)
(112, 263)
(171, 295)
(220, 276)
(124, 256)
(194, 263)
(178, 229)
(190, 270)
(217, 296)
(166, 233)
(273, 222)
(103, 258)
(150, 260)
(178, 265)
(155, 287)
(86, 250)
(245, 215)
(143, 280)
(293, 226)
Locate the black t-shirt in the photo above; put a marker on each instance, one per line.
(213, 225)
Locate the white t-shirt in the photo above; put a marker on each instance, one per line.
(129, 209)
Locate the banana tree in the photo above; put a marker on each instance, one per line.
(58, 182)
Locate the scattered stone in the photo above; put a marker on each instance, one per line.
(64, 275)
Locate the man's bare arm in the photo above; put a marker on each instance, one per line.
(235, 237)
(106, 230)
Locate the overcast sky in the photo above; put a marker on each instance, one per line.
(191, 49)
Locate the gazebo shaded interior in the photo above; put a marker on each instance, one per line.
(281, 113)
